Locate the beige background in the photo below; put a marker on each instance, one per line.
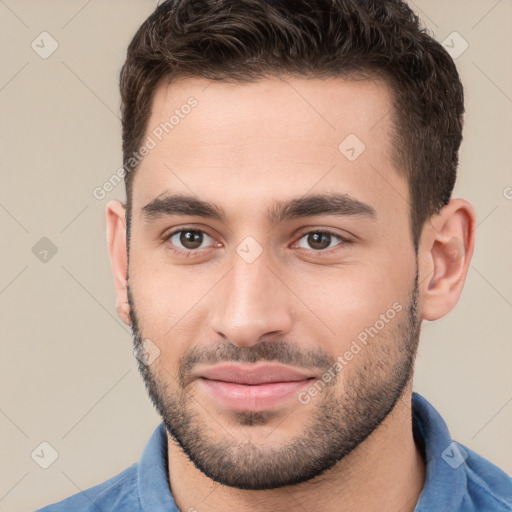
(67, 373)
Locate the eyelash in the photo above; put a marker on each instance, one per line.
(190, 252)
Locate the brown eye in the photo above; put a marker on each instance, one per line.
(189, 239)
(319, 240)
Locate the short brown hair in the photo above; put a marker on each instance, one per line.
(246, 40)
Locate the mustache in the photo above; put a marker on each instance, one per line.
(271, 351)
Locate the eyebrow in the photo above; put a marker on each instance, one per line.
(305, 206)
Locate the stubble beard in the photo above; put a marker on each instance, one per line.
(340, 419)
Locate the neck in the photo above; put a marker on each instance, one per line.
(385, 473)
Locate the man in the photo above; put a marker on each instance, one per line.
(288, 225)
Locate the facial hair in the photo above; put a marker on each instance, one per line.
(341, 419)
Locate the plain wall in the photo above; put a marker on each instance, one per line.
(67, 372)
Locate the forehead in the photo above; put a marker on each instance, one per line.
(275, 136)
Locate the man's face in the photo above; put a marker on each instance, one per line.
(286, 326)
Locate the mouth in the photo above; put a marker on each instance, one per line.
(252, 387)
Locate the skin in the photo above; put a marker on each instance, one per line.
(242, 148)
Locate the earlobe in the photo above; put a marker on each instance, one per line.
(116, 239)
(448, 247)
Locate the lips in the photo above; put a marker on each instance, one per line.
(253, 375)
(252, 387)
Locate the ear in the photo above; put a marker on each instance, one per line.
(116, 238)
(445, 254)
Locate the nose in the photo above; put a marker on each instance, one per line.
(251, 302)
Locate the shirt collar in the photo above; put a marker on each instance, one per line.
(153, 475)
(445, 484)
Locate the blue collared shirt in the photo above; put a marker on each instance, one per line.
(457, 478)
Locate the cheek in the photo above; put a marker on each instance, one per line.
(162, 320)
(158, 298)
(168, 302)
(355, 302)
